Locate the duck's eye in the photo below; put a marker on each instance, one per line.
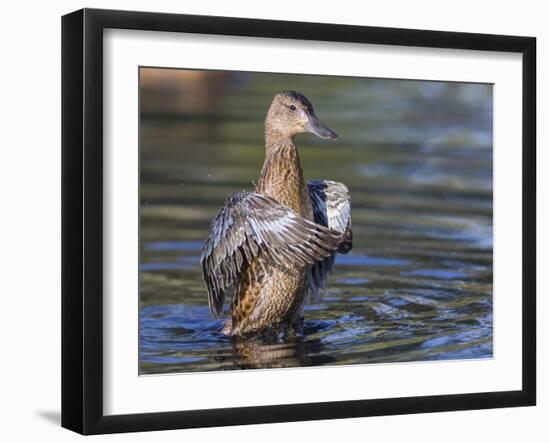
(292, 108)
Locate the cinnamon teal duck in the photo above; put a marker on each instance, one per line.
(273, 246)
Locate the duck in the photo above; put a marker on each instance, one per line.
(275, 246)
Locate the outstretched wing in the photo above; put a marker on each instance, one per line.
(331, 208)
(251, 224)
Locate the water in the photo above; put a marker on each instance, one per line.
(417, 158)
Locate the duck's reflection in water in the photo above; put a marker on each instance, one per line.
(261, 352)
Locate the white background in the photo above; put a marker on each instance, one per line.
(30, 234)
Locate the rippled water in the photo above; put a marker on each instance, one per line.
(417, 158)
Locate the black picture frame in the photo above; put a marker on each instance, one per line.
(82, 220)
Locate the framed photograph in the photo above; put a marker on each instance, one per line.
(269, 221)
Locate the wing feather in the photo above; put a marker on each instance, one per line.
(251, 224)
(331, 208)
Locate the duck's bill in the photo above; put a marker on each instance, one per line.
(314, 126)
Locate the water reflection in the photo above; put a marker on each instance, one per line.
(417, 158)
(288, 352)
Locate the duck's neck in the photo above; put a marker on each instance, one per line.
(282, 177)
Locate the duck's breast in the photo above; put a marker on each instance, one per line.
(282, 179)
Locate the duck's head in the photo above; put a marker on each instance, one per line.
(291, 113)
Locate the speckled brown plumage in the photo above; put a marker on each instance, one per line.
(276, 244)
